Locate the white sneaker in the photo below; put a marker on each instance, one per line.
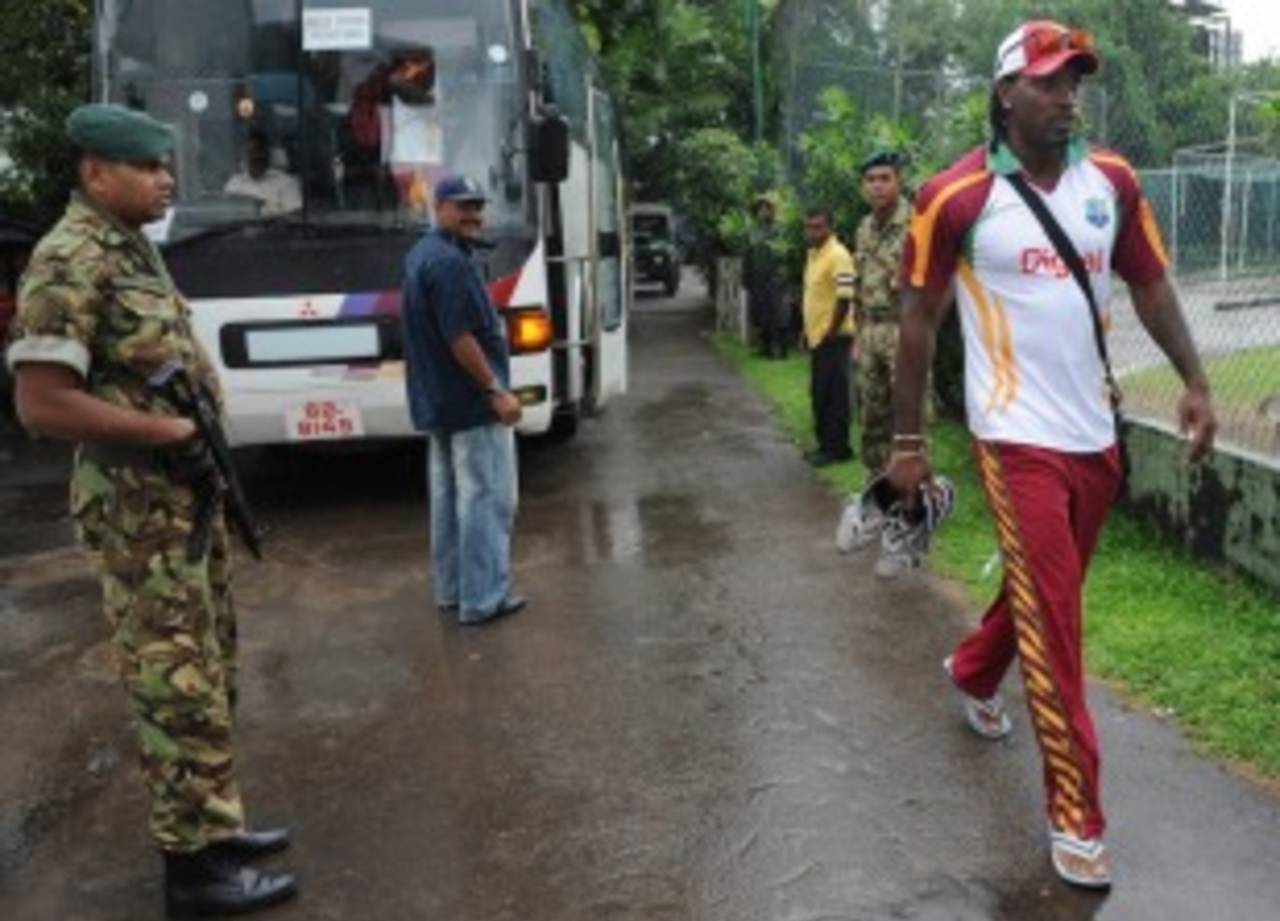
(985, 717)
(904, 544)
(907, 532)
(860, 524)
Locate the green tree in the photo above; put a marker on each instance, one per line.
(44, 74)
(717, 177)
(675, 67)
(833, 149)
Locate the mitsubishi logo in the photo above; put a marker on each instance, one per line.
(308, 310)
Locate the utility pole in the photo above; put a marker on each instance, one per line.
(1226, 189)
(752, 11)
(1229, 169)
(897, 75)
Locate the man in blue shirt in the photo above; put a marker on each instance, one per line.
(457, 373)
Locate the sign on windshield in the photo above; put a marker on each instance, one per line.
(347, 29)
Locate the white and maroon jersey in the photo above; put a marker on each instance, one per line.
(1032, 370)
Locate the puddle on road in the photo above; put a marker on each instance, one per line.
(685, 410)
(660, 530)
(1037, 899)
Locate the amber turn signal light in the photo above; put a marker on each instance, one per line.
(528, 330)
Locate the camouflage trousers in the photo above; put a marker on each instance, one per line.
(174, 631)
(877, 349)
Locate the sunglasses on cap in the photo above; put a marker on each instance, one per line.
(1044, 47)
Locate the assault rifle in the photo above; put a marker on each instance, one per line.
(177, 385)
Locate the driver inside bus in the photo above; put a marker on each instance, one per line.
(278, 192)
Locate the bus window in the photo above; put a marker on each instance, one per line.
(568, 62)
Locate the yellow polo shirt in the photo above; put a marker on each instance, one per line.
(828, 278)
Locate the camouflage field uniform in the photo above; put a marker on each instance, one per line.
(97, 297)
(877, 261)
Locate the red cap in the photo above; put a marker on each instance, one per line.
(1043, 47)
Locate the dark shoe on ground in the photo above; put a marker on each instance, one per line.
(447, 607)
(250, 844)
(209, 883)
(512, 604)
(824, 459)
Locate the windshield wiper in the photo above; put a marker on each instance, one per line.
(229, 228)
(365, 227)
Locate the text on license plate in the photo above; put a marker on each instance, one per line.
(323, 419)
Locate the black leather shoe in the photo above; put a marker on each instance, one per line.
(823, 459)
(210, 883)
(512, 604)
(250, 844)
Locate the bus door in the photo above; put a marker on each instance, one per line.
(607, 330)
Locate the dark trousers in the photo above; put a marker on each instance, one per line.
(829, 394)
(773, 341)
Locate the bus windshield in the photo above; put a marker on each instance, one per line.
(341, 112)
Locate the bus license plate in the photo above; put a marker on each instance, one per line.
(317, 420)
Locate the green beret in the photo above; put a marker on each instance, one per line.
(117, 133)
(881, 158)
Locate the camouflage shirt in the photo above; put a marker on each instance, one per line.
(877, 261)
(96, 298)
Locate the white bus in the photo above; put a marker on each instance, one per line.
(310, 133)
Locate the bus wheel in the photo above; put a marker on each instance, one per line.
(672, 285)
(564, 425)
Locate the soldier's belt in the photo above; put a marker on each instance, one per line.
(108, 455)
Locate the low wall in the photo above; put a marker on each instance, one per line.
(1225, 509)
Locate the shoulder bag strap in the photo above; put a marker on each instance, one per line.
(1067, 252)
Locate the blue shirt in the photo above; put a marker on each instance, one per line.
(444, 297)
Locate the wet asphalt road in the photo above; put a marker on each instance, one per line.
(705, 713)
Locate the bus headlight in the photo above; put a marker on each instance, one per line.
(528, 330)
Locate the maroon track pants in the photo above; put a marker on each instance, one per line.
(1049, 507)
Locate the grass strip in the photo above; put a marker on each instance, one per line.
(1246, 395)
(1241, 381)
(1184, 639)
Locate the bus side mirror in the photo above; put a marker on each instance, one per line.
(549, 147)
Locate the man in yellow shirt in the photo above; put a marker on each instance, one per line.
(828, 331)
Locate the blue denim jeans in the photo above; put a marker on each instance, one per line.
(472, 475)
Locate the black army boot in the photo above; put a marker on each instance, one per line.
(209, 882)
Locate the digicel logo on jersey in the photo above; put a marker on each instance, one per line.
(1039, 261)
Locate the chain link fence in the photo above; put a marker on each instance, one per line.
(1218, 207)
(1220, 213)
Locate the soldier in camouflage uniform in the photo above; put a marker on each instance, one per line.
(97, 314)
(877, 258)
